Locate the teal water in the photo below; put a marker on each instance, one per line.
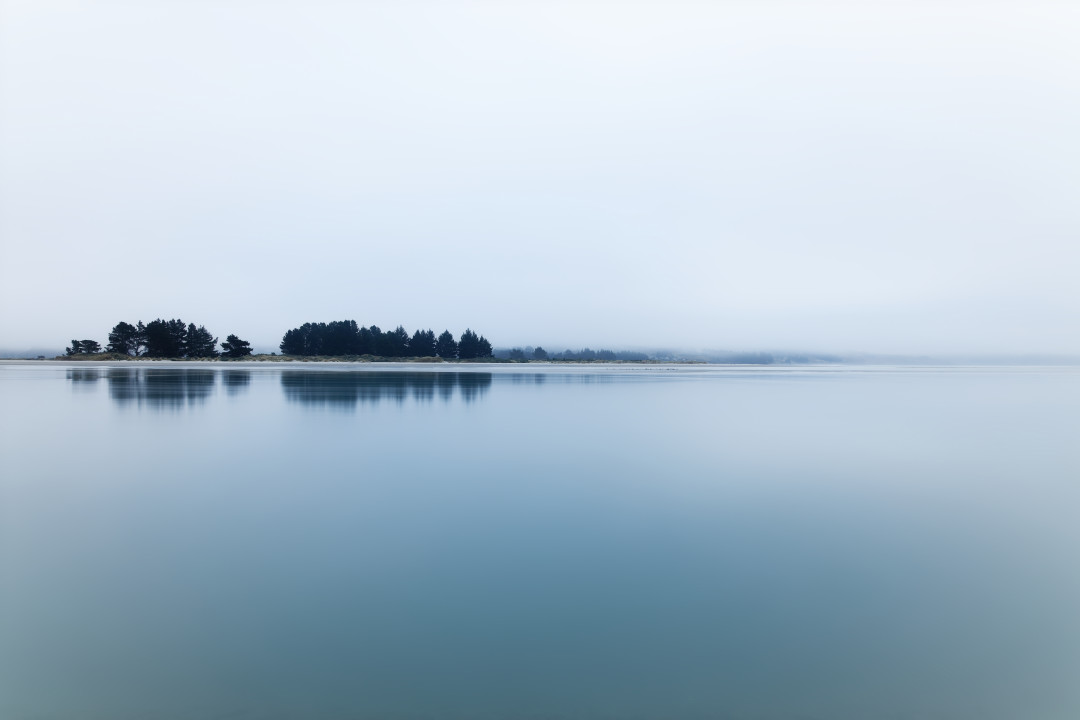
(252, 542)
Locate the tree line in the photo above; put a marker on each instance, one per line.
(346, 337)
(176, 339)
(163, 339)
(583, 355)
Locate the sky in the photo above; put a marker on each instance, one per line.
(879, 176)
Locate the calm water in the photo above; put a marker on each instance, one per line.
(236, 542)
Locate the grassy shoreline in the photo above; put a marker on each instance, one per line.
(116, 357)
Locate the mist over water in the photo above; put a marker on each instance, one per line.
(609, 542)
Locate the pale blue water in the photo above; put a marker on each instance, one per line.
(512, 542)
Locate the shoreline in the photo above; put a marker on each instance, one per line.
(341, 359)
(533, 366)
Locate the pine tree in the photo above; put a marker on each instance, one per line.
(166, 338)
(139, 340)
(422, 344)
(468, 345)
(396, 342)
(234, 347)
(445, 346)
(342, 337)
(124, 339)
(292, 343)
(200, 342)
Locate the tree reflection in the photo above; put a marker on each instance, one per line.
(346, 389)
(528, 378)
(160, 388)
(235, 381)
(83, 375)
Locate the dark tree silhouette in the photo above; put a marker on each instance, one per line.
(124, 339)
(422, 344)
(341, 337)
(378, 344)
(83, 347)
(292, 343)
(396, 343)
(166, 338)
(304, 340)
(468, 345)
(234, 347)
(140, 339)
(540, 353)
(200, 342)
(345, 337)
(445, 346)
(366, 342)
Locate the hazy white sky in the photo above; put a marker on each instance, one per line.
(875, 176)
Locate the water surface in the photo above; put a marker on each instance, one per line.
(243, 541)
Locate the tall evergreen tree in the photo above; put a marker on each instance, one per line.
(234, 347)
(342, 337)
(483, 347)
(445, 346)
(74, 349)
(178, 333)
(158, 340)
(468, 345)
(139, 341)
(292, 343)
(422, 344)
(365, 342)
(200, 342)
(124, 339)
(166, 338)
(378, 342)
(396, 343)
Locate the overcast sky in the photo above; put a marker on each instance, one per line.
(871, 176)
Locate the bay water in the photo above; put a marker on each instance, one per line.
(279, 541)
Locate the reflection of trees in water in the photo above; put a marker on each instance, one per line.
(82, 377)
(528, 378)
(346, 389)
(235, 381)
(176, 387)
(160, 388)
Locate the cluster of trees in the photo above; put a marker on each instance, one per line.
(601, 355)
(163, 339)
(84, 347)
(345, 337)
(583, 355)
(537, 353)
